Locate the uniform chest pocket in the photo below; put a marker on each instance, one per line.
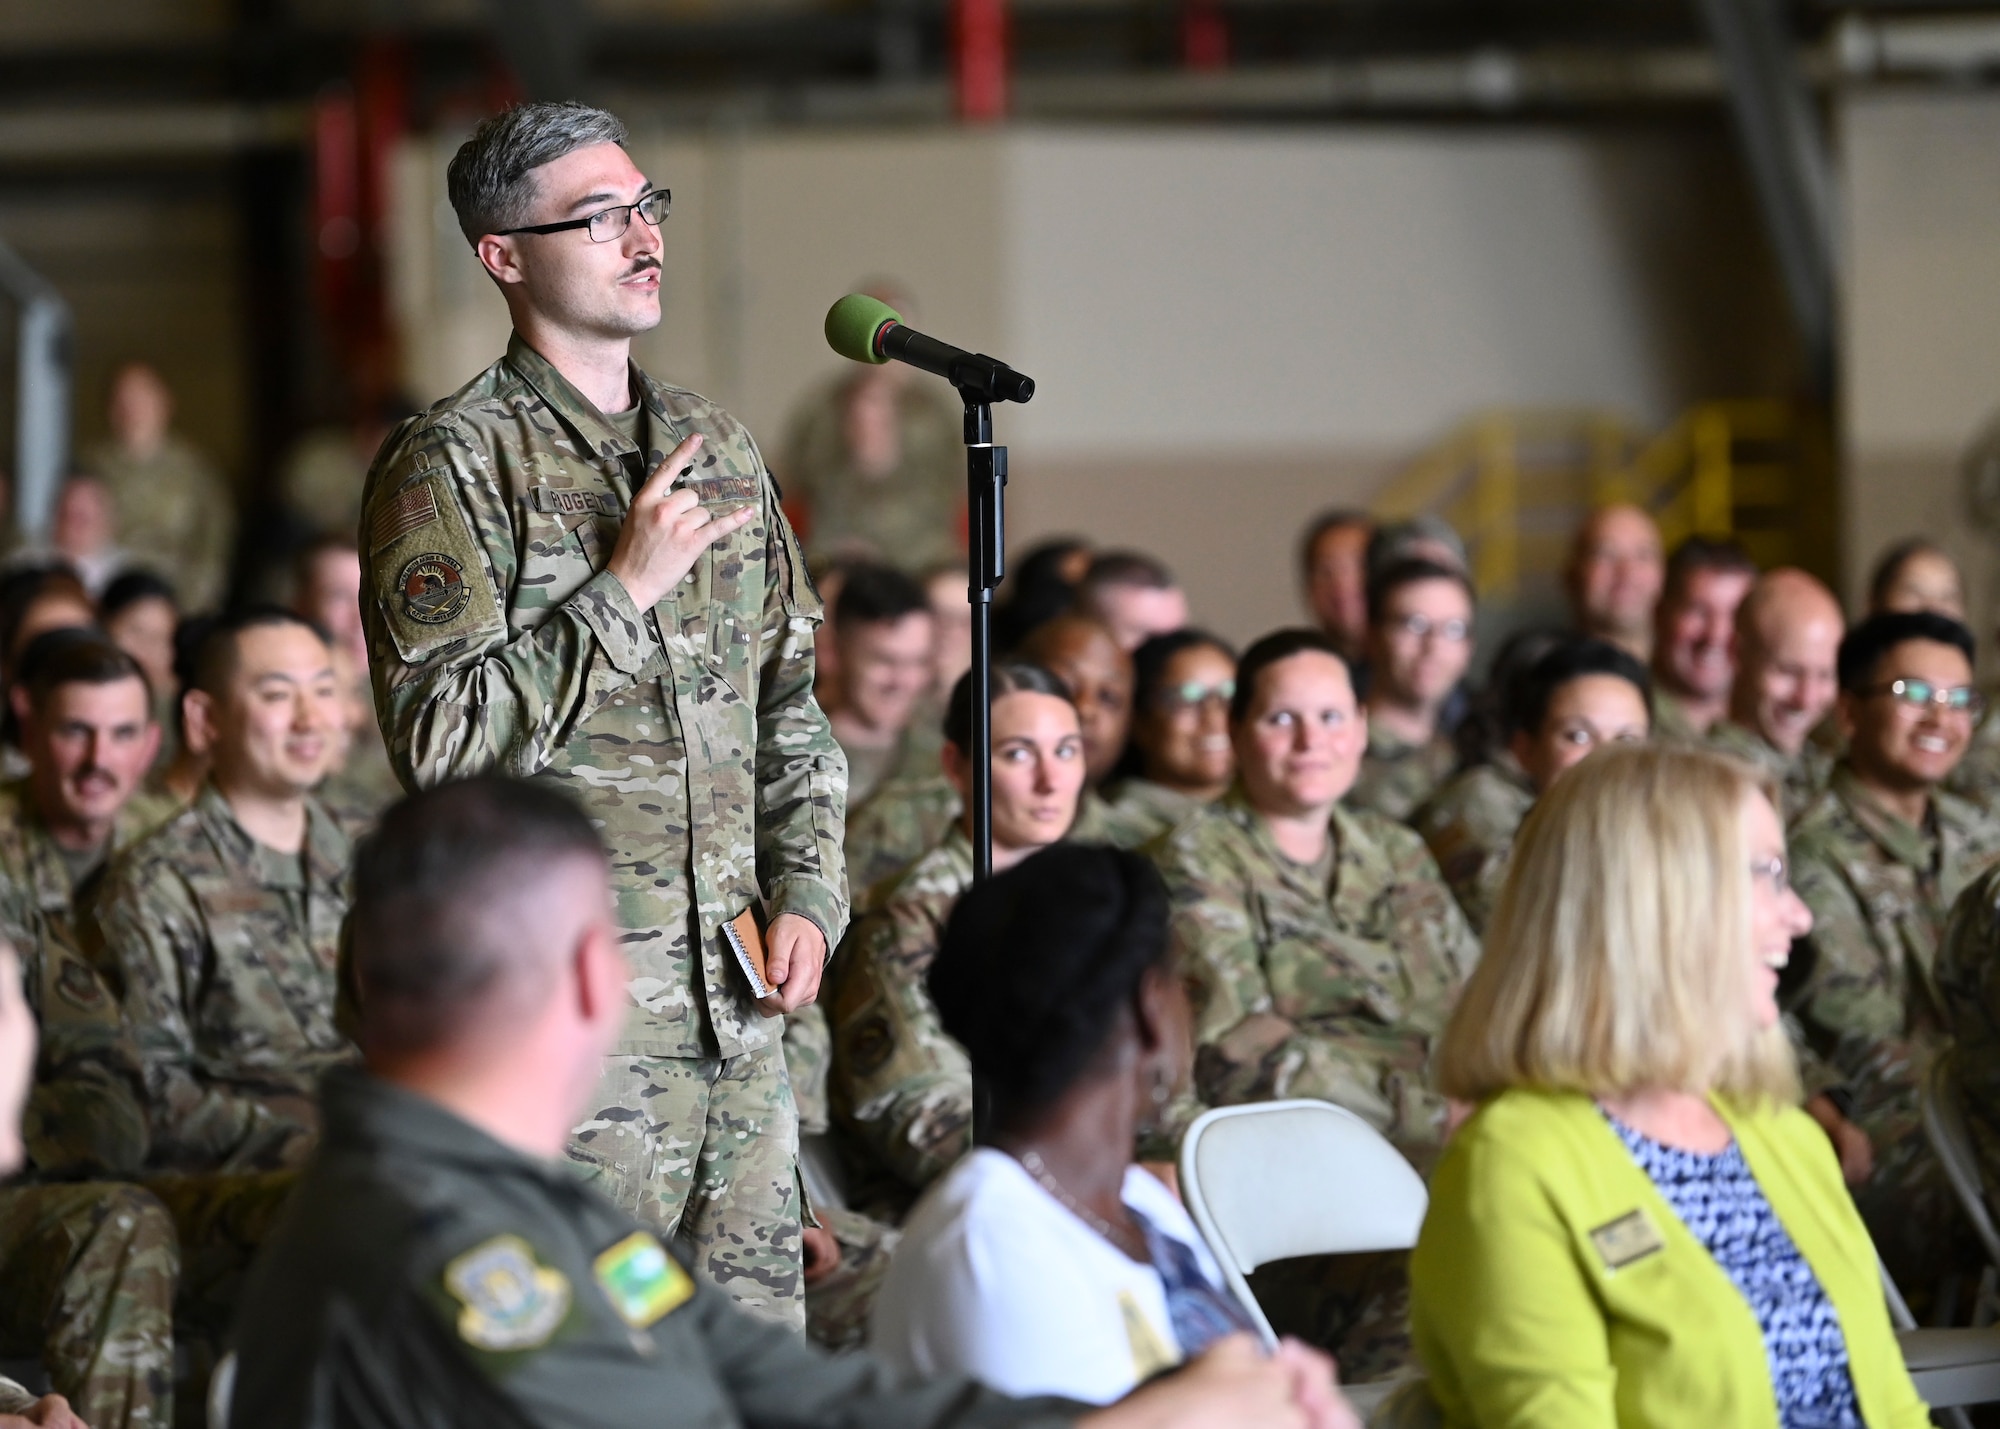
(1316, 970)
(732, 578)
(268, 982)
(568, 535)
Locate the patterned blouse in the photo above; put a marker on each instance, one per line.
(1720, 1202)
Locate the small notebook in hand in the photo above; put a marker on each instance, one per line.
(746, 940)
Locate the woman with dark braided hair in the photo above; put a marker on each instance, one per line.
(1046, 1261)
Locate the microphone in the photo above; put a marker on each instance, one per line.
(864, 329)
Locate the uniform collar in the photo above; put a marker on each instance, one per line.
(1915, 848)
(1351, 844)
(324, 853)
(594, 431)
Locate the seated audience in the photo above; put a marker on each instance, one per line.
(85, 533)
(1133, 596)
(219, 929)
(1179, 756)
(945, 588)
(900, 1090)
(1583, 694)
(1613, 577)
(1788, 631)
(1968, 983)
(1081, 652)
(1636, 1227)
(1323, 948)
(1041, 584)
(440, 1268)
(1916, 575)
(37, 600)
(1333, 566)
(140, 614)
(182, 776)
(88, 1268)
(1419, 645)
(1694, 636)
(1879, 857)
(1046, 1262)
(327, 591)
(1420, 538)
(887, 638)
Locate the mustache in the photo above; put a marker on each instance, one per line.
(642, 264)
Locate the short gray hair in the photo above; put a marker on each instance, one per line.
(489, 178)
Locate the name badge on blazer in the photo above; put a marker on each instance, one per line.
(1629, 1239)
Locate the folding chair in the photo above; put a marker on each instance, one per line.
(1951, 1141)
(1274, 1180)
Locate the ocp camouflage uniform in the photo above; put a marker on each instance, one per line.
(1880, 892)
(89, 1271)
(174, 511)
(1397, 777)
(1469, 826)
(1977, 776)
(1137, 811)
(1968, 984)
(1330, 982)
(499, 642)
(900, 1088)
(1799, 777)
(222, 951)
(907, 517)
(1670, 722)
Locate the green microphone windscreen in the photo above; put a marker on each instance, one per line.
(851, 325)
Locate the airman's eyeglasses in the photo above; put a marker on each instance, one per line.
(608, 223)
(1922, 694)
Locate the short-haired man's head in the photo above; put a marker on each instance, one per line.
(1863, 648)
(1917, 574)
(1619, 957)
(75, 657)
(1010, 677)
(452, 908)
(1123, 568)
(1409, 571)
(1698, 554)
(491, 178)
(878, 595)
(1039, 967)
(1324, 525)
(1532, 690)
(1279, 645)
(217, 656)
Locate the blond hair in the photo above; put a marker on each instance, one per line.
(1619, 951)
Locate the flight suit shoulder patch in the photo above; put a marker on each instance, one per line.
(508, 1300)
(430, 578)
(641, 1280)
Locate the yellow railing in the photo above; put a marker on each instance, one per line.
(1515, 481)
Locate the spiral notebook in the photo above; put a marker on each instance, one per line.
(746, 940)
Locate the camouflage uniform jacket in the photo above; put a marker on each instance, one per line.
(84, 1113)
(1137, 811)
(1670, 720)
(1396, 778)
(1880, 892)
(223, 953)
(1469, 826)
(909, 516)
(1977, 776)
(1799, 777)
(1317, 985)
(900, 1089)
(174, 509)
(1968, 984)
(499, 641)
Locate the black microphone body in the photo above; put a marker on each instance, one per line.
(972, 373)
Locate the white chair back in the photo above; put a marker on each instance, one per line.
(1273, 1180)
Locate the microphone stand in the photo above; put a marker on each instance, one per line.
(986, 522)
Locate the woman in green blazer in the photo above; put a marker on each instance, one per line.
(1637, 1226)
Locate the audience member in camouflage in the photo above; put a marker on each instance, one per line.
(1179, 759)
(1879, 858)
(1788, 631)
(886, 638)
(892, 831)
(1968, 985)
(578, 575)
(1977, 777)
(1419, 645)
(901, 1090)
(1580, 694)
(219, 930)
(1086, 656)
(1613, 577)
(1694, 637)
(173, 506)
(1323, 948)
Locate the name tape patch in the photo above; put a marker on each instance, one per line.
(563, 501)
(1632, 1237)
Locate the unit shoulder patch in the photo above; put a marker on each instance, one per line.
(428, 578)
(641, 1280)
(508, 1300)
(433, 588)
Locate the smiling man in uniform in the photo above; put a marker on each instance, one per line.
(579, 575)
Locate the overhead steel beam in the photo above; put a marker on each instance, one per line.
(1785, 148)
(41, 393)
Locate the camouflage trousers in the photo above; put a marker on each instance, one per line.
(707, 1149)
(838, 1304)
(1355, 1307)
(89, 1272)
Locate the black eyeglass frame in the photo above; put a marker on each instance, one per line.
(666, 197)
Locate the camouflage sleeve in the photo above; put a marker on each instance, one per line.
(1245, 1051)
(1426, 910)
(900, 1085)
(1846, 1014)
(801, 772)
(85, 1114)
(808, 1048)
(455, 696)
(212, 544)
(141, 929)
(1968, 983)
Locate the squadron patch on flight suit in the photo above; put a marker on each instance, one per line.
(641, 1280)
(508, 1300)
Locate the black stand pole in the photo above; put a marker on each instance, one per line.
(985, 506)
